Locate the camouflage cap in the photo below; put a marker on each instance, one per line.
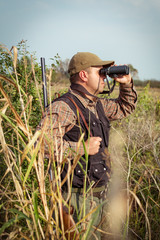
(83, 60)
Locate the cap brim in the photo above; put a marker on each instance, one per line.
(103, 63)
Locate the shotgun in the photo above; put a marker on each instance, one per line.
(68, 221)
(45, 99)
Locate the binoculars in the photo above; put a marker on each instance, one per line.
(114, 71)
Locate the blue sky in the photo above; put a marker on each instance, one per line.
(126, 31)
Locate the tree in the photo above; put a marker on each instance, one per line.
(133, 71)
(60, 68)
(22, 75)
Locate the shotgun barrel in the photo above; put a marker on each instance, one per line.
(45, 100)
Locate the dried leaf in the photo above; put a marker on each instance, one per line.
(30, 144)
(17, 117)
(145, 214)
(15, 54)
(8, 80)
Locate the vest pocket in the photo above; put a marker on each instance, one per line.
(98, 171)
(79, 172)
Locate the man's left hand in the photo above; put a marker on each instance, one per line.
(124, 79)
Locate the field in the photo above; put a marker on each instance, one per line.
(29, 198)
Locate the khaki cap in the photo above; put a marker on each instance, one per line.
(83, 60)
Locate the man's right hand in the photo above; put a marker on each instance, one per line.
(93, 145)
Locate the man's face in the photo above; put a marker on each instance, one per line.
(95, 83)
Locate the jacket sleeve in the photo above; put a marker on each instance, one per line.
(123, 105)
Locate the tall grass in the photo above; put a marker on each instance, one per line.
(138, 165)
(32, 205)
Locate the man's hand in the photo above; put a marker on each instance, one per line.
(124, 79)
(93, 145)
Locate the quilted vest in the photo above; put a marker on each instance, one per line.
(97, 168)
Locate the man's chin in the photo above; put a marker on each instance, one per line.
(101, 90)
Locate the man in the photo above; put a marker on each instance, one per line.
(78, 124)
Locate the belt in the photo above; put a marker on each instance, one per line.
(94, 190)
(98, 192)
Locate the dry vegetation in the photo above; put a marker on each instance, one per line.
(29, 198)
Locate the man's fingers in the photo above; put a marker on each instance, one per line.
(98, 139)
(95, 140)
(93, 144)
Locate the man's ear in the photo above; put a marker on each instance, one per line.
(83, 75)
